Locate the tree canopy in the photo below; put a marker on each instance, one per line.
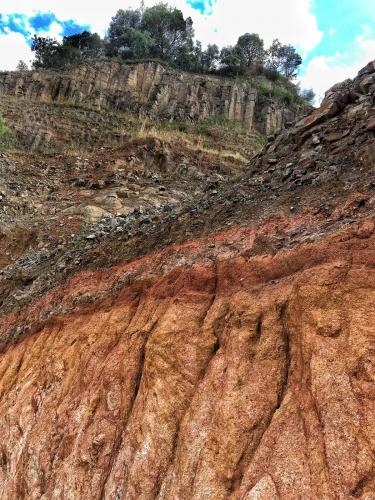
(49, 53)
(252, 47)
(159, 31)
(283, 58)
(22, 66)
(162, 32)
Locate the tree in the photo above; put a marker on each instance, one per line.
(210, 57)
(74, 49)
(232, 60)
(162, 32)
(46, 52)
(78, 48)
(140, 44)
(167, 26)
(274, 56)
(291, 60)
(122, 32)
(89, 45)
(283, 58)
(159, 31)
(253, 49)
(308, 95)
(22, 66)
(188, 58)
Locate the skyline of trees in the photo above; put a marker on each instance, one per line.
(162, 32)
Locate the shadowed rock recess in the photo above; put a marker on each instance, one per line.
(214, 339)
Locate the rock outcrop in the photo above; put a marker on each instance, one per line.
(222, 377)
(217, 346)
(151, 89)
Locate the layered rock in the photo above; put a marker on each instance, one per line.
(235, 364)
(221, 377)
(151, 89)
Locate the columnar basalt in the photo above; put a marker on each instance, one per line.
(153, 89)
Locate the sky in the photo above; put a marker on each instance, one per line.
(335, 37)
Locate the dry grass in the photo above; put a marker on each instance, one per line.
(77, 129)
(196, 142)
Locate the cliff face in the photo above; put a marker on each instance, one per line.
(223, 377)
(217, 346)
(152, 89)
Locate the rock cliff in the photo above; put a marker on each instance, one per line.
(212, 337)
(151, 89)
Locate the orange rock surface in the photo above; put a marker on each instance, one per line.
(200, 372)
(215, 340)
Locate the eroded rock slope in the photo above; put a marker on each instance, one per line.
(151, 89)
(220, 346)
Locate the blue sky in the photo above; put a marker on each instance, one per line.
(37, 23)
(335, 37)
(341, 22)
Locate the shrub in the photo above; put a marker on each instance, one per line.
(308, 95)
(278, 92)
(5, 134)
(22, 66)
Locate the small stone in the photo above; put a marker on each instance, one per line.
(315, 140)
(333, 136)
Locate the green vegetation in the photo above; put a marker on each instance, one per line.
(206, 125)
(22, 66)
(308, 95)
(5, 135)
(278, 92)
(82, 47)
(162, 33)
(283, 91)
(94, 128)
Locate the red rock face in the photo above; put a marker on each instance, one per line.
(228, 377)
(151, 356)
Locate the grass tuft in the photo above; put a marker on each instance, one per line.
(5, 135)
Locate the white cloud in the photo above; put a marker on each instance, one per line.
(366, 29)
(13, 47)
(289, 20)
(322, 72)
(54, 31)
